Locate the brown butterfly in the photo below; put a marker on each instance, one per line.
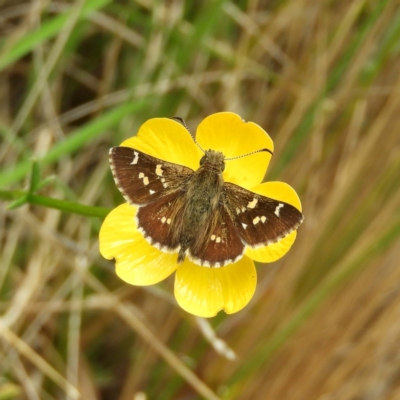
(196, 213)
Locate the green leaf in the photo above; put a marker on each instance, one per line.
(46, 181)
(18, 203)
(35, 177)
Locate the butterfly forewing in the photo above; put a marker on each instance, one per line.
(260, 220)
(142, 178)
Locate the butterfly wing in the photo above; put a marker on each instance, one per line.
(156, 186)
(260, 220)
(142, 178)
(220, 244)
(161, 221)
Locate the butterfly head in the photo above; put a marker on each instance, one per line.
(213, 161)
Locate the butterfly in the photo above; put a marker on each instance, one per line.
(196, 213)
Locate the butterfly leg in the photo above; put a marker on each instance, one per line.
(181, 255)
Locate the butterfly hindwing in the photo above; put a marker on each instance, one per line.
(220, 244)
(161, 221)
(142, 178)
(260, 220)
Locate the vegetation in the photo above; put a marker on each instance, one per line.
(77, 77)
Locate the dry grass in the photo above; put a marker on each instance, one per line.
(322, 78)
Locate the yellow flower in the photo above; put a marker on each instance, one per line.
(200, 290)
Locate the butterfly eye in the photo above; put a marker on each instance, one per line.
(202, 160)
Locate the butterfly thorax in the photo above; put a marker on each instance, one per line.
(203, 194)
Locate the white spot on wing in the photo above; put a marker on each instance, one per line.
(263, 218)
(159, 170)
(136, 158)
(163, 219)
(213, 237)
(218, 239)
(252, 203)
(204, 263)
(277, 209)
(168, 221)
(244, 226)
(144, 177)
(163, 182)
(151, 191)
(256, 220)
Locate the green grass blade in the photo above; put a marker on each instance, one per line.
(300, 134)
(383, 52)
(19, 197)
(74, 141)
(262, 354)
(69, 206)
(35, 177)
(46, 31)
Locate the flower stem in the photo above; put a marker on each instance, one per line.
(62, 205)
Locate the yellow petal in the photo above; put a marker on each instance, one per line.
(278, 191)
(283, 192)
(137, 262)
(168, 140)
(228, 133)
(272, 252)
(205, 291)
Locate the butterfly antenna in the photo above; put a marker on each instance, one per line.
(182, 122)
(249, 154)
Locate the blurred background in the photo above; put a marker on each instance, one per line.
(322, 78)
